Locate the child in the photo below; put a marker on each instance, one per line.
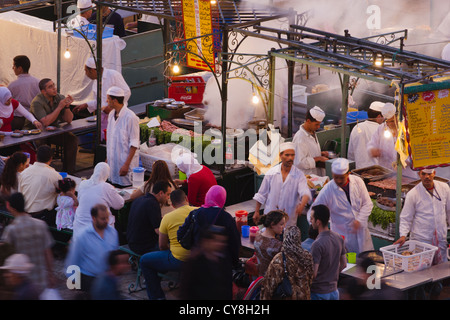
(67, 203)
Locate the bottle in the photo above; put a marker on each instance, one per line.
(228, 156)
(152, 139)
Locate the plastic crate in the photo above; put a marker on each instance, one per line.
(421, 256)
(189, 89)
(90, 32)
(147, 161)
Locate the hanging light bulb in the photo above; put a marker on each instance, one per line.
(387, 133)
(255, 99)
(176, 68)
(67, 54)
(213, 2)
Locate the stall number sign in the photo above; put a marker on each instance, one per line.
(428, 122)
(197, 22)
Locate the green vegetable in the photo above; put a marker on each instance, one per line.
(381, 217)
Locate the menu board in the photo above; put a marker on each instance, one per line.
(197, 22)
(428, 127)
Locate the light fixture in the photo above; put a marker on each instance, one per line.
(387, 133)
(175, 68)
(213, 2)
(67, 53)
(379, 60)
(255, 98)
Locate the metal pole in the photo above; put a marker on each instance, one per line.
(291, 66)
(344, 109)
(58, 4)
(398, 193)
(166, 41)
(99, 35)
(270, 105)
(224, 95)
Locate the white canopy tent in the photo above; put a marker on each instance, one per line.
(22, 34)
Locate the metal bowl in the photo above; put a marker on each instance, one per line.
(172, 106)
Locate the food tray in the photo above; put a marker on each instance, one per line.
(197, 114)
(373, 173)
(385, 207)
(421, 257)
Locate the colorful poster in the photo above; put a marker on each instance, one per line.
(197, 22)
(428, 123)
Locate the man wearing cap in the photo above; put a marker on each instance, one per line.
(362, 134)
(284, 187)
(85, 8)
(110, 78)
(426, 214)
(350, 207)
(122, 138)
(309, 157)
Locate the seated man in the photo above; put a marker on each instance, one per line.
(172, 254)
(144, 219)
(38, 184)
(52, 108)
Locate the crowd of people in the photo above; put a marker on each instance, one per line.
(165, 210)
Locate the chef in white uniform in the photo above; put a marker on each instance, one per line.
(350, 207)
(426, 214)
(81, 19)
(110, 78)
(122, 140)
(382, 144)
(362, 134)
(284, 188)
(307, 148)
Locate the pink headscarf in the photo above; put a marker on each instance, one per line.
(215, 197)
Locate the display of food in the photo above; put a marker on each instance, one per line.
(35, 131)
(387, 202)
(373, 173)
(50, 128)
(389, 183)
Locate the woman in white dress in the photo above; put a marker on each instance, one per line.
(95, 191)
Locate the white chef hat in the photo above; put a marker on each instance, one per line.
(377, 106)
(340, 166)
(116, 92)
(84, 4)
(287, 146)
(428, 171)
(389, 110)
(90, 63)
(317, 113)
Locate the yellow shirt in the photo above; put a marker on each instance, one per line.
(170, 224)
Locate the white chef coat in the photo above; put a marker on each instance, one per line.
(357, 147)
(306, 148)
(122, 134)
(101, 193)
(388, 153)
(342, 213)
(275, 194)
(423, 214)
(110, 78)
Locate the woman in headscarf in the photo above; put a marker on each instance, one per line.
(199, 178)
(7, 107)
(92, 192)
(212, 213)
(299, 266)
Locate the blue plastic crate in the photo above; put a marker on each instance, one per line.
(90, 31)
(356, 116)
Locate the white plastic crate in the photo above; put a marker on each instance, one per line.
(420, 256)
(148, 160)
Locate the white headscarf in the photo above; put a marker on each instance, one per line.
(100, 174)
(188, 164)
(5, 95)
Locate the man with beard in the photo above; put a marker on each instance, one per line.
(426, 214)
(90, 251)
(284, 188)
(350, 206)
